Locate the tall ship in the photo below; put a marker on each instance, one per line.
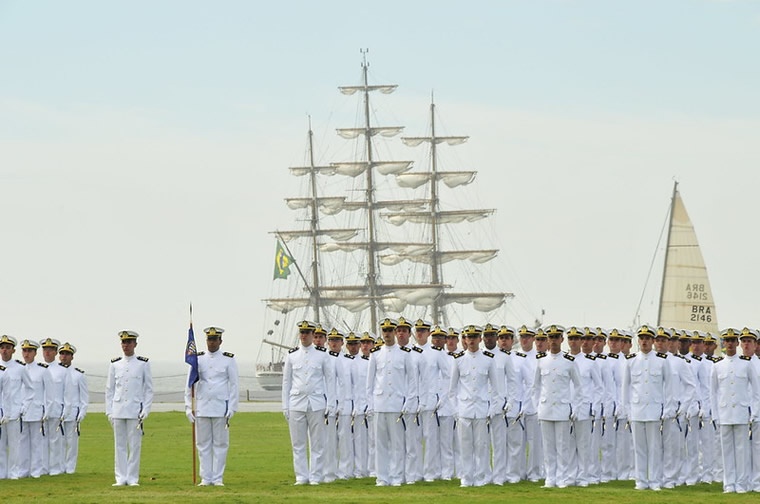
(375, 237)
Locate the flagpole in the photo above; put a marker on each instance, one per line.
(192, 408)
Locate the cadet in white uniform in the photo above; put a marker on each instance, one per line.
(733, 386)
(129, 397)
(533, 446)
(36, 397)
(358, 348)
(216, 400)
(16, 380)
(649, 398)
(76, 399)
(516, 395)
(447, 410)
(308, 387)
(430, 362)
(411, 421)
(340, 459)
(53, 457)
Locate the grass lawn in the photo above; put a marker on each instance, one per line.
(259, 469)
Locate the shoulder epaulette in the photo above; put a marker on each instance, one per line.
(201, 353)
(320, 348)
(662, 355)
(487, 353)
(613, 355)
(375, 349)
(679, 356)
(2, 368)
(21, 362)
(116, 359)
(630, 356)
(600, 356)
(42, 364)
(334, 354)
(696, 357)
(366, 357)
(417, 349)
(540, 355)
(452, 354)
(505, 351)
(745, 357)
(64, 365)
(590, 357)
(80, 370)
(713, 358)
(228, 354)
(436, 348)
(141, 358)
(407, 350)
(295, 349)
(520, 354)
(458, 355)
(348, 356)
(569, 357)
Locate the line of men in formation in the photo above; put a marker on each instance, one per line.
(41, 407)
(675, 415)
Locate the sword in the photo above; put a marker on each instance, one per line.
(417, 418)
(353, 418)
(77, 426)
(42, 423)
(21, 423)
(701, 421)
(326, 418)
(140, 421)
(366, 423)
(604, 425)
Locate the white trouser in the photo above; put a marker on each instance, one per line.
(735, 445)
(448, 455)
(431, 435)
(10, 447)
(707, 450)
(535, 448)
(754, 477)
(583, 450)
(330, 466)
(515, 450)
(52, 455)
(30, 451)
(718, 468)
(413, 447)
(307, 429)
(690, 453)
(609, 463)
(389, 449)
(647, 442)
(371, 444)
(672, 448)
(474, 451)
(556, 440)
(345, 448)
(71, 447)
(624, 449)
(361, 449)
(498, 436)
(595, 464)
(212, 438)
(127, 436)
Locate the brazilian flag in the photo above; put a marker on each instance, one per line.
(282, 262)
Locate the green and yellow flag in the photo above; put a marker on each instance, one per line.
(282, 262)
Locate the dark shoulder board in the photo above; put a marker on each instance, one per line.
(141, 358)
(487, 353)
(42, 364)
(630, 356)
(696, 357)
(520, 354)
(745, 357)
(417, 349)
(600, 356)
(293, 350)
(21, 362)
(348, 356)
(320, 348)
(405, 349)
(590, 357)
(228, 354)
(452, 354)
(436, 348)
(375, 349)
(334, 354)
(505, 351)
(2, 368)
(662, 355)
(80, 370)
(569, 357)
(613, 355)
(201, 353)
(713, 358)
(679, 356)
(458, 355)
(116, 359)
(540, 355)
(365, 357)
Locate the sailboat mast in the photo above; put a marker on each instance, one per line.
(315, 290)
(370, 199)
(667, 250)
(435, 264)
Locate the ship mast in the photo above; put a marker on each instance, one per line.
(316, 301)
(435, 266)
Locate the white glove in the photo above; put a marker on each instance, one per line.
(80, 416)
(507, 407)
(190, 416)
(229, 414)
(110, 419)
(142, 416)
(573, 416)
(287, 414)
(3, 420)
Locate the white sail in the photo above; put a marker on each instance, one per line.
(686, 300)
(451, 179)
(445, 217)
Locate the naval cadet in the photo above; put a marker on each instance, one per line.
(36, 397)
(529, 340)
(444, 413)
(340, 458)
(216, 400)
(129, 397)
(53, 456)
(15, 380)
(358, 347)
(76, 399)
(517, 395)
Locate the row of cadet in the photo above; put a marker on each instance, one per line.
(41, 407)
(491, 415)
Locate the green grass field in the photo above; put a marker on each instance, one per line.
(259, 468)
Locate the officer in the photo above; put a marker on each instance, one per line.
(308, 387)
(748, 342)
(533, 445)
(602, 441)
(16, 380)
(76, 399)
(53, 456)
(649, 398)
(129, 397)
(412, 421)
(733, 386)
(359, 347)
(713, 356)
(36, 392)
(705, 431)
(366, 343)
(516, 395)
(391, 385)
(216, 401)
(340, 459)
(444, 413)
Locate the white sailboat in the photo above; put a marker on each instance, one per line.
(376, 239)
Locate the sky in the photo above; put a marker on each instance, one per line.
(144, 149)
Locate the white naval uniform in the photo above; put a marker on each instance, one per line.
(435, 371)
(733, 386)
(588, 416)
(16, 380)
(53, 458)
(754, 484)
(472, 375)
(558, 394)
(534, 446)
(129, 397)
(414, 424)
(77, 399)
(602, 441)
(446, 422)
(216, 400)
(717, 468)
(688, 461)
(515, 435)
(308, 386)
(649, 399)
(391, 383)
(37, 395)
(621, 427)
(341, 458)
(705, 435)
(359, 417)
(497, 411)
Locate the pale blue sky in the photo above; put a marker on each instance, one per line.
(138, 142)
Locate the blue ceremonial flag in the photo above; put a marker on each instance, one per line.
(191, 357)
